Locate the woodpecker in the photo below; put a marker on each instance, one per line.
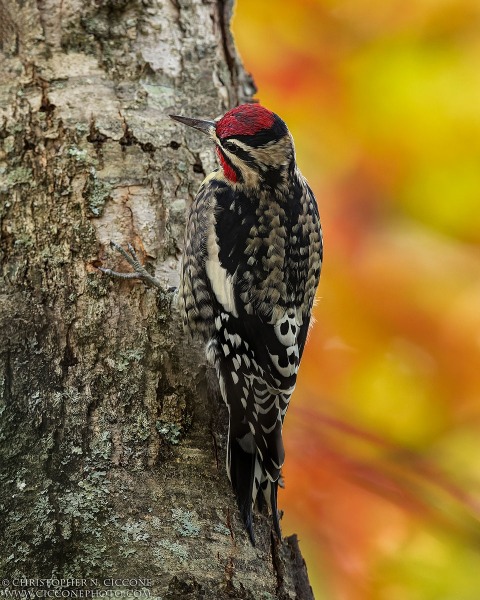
(250, 270)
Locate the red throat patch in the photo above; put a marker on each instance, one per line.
(247, 119)
(227, 169)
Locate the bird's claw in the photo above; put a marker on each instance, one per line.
(139, 270)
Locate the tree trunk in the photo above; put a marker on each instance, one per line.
(112, 441)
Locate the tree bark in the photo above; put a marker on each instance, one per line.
(112, 437)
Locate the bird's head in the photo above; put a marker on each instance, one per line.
(253, 144)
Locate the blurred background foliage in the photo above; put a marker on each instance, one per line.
(382, 437)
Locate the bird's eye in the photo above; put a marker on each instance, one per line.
(230, 146)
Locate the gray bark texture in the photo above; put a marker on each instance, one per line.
(112, 439)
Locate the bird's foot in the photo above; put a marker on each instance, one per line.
(139, 270)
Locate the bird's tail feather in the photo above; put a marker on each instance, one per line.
(242, 474)
(248, 477)
(270, 489)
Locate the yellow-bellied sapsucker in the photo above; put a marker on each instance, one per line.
(251, 266)
(250, 269)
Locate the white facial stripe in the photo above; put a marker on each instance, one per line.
(220, 280)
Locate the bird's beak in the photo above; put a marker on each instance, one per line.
(207, 127)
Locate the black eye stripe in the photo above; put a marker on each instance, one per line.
(230, 146)
(239, 152)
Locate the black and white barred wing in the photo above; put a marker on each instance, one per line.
(255, 450)
(196, 298)
(256, 406)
